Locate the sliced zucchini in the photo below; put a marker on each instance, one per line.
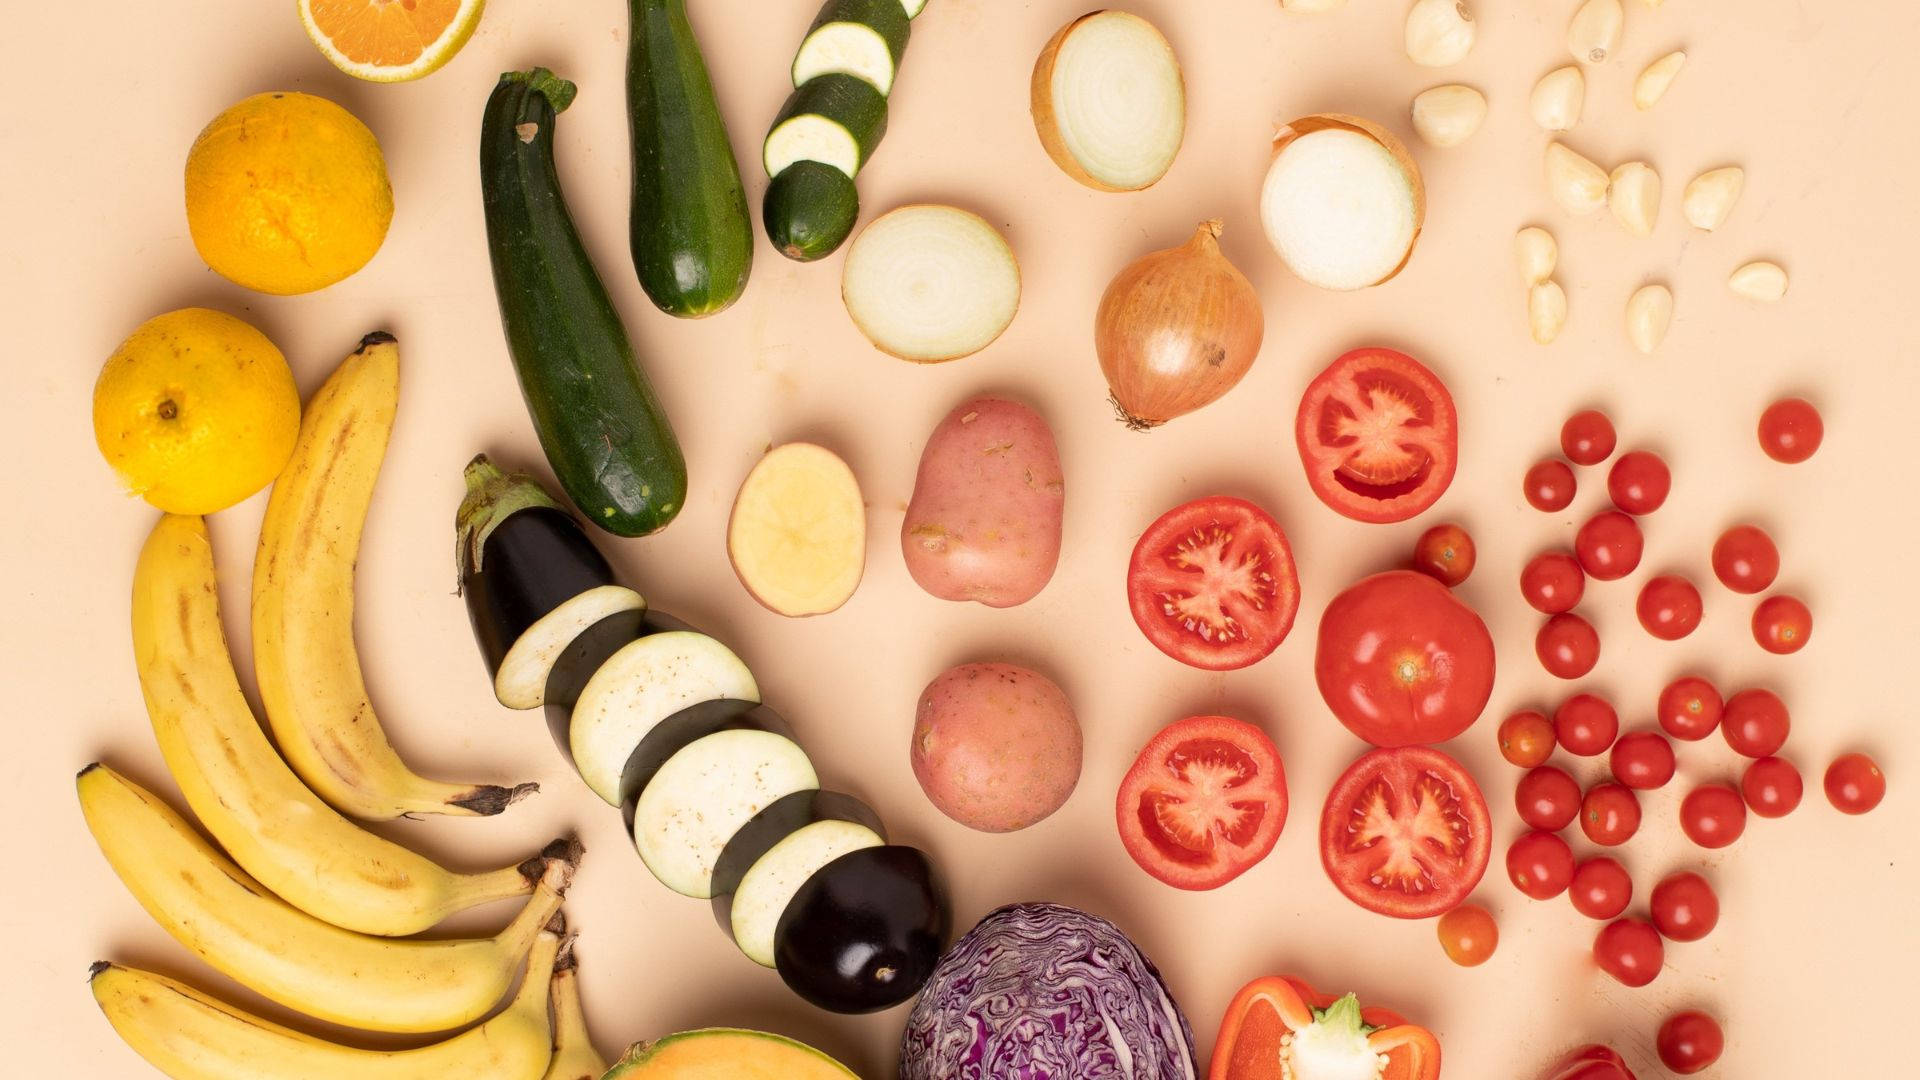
(861, 38)
(837, 120)
(706, 793)
(810, 210)
(521, 682)
(913, 8)
(577, 663)
(645, 682)
(764, 892)
(689, 725)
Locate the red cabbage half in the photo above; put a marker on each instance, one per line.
(1046, 992)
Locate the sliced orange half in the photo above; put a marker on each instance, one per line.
(390, 40)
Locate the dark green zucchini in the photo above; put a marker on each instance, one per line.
(837, 120)
(604, 432)
(692, 241)
(863, 38)
(810, 210)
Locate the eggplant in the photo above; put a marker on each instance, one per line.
(648, 680)
(696, 721)
(865, 932)
(575, 666)
(779, 850)
(705, 794)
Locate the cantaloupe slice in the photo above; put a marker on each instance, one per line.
(798, 535)
(733, 1053)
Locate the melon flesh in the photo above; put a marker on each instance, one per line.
(731, 1053)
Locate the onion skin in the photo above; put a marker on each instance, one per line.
(1176, 330)
(1047, 123)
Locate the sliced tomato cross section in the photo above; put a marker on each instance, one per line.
(1204, 801)
(1405, 832)
(1212, 583)
(1379, 436)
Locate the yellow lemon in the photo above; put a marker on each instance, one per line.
(287, 193)
(196, 411)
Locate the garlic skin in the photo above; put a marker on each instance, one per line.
(1594, 33)
(1546, 311)
(1710, 197)
(1558, 98)
(1633, 193)
(1649, 314)
(1537, 254)
(1653, 83)
(1760, 281)
(1449, 115)
(1439, 32)
(1578, 185)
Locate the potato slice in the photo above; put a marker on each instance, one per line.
(798, 535)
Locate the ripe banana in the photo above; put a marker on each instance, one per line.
(191, 1036)
(574, 1057)
(303, 649)
(240, 789)
(233, 923)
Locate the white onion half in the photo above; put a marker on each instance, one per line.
(1109, 101)
(929, 283)
(1343, 202)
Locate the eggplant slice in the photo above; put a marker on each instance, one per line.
(648, 680)
(705, 794)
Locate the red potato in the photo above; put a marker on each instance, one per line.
(996, 747)
(984, 522)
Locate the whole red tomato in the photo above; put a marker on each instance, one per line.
(1402, 661)
(1590, 1063)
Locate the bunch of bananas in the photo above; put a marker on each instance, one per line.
(303, 905)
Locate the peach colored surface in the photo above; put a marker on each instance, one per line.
(1813, 963)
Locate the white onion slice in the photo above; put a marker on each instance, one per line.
(929, 283)
(1342, 202)
(1109, 101)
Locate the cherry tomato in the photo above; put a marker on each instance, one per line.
(1592, 1062)
(1212, 583)
(1552, 582)
(1567, 645)
(1642, 760)
(1205, 800)
(1630, 950)
(1540, 865)
(1639, 482)
(1469, 935)
(1405, 832)
(1549, 485)
(1745, 560)
(1782, 624)
(1755, 723)
(1587, 437)
(1445, 554)
(1689, 1042)
(1377, 433)
(1855, 784)
(1713, 815)
(1684, 907)
(1547, 798)
(1401, 660)
(1601, 888)
(1586, 725)
(1526, 738)
(1669, 607)
(1790, 430)
(1609, 545)
(1772, 787)
(1610, 814)
(1690, 708)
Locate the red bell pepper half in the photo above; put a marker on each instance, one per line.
(1279, 1028)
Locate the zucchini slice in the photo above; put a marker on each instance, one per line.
(688, 726)
(861, 38)
(836, 120)
(913, 8)
(645, 682)
(766, 889)
(706, 793)
(810, 210)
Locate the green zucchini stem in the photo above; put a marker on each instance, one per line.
(558, 91)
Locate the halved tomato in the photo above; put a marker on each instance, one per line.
(1212, 583)
(1203, 802)
(1280, 1028)
(1379, 436)
(1405, 832)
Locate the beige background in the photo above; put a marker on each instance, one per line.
(1814, 957)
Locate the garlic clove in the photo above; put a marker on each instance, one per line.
(1762, 281)
(1309, 6)
(1449, 115)
(1537, 254)
(1649, 313)
(1439, 32)
(1633, 193)
(1594, 33)
(1558, 98)
(1652, 84)
(1711, 196)
(1578, 185)
(1546, 311)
